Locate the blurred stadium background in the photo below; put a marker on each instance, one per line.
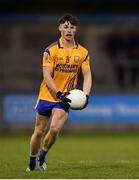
(109, 29)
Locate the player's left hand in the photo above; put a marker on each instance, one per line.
(86, 103)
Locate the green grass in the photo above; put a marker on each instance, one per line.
(94, 156)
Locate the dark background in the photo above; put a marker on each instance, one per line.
(79, 6)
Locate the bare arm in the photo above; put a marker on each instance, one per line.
(87, 80)
(47, 73)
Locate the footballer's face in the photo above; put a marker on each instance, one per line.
(67, 30)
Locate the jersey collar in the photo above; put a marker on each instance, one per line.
(60, 44)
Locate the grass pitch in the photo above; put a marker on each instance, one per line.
(94, 156)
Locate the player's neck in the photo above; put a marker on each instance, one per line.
(68, 44)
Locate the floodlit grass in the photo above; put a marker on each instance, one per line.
(109, 156)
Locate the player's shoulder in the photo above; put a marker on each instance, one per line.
(82, 48)
(51, 47)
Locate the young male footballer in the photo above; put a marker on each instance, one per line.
(62, 62)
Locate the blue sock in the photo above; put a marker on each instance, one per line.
(32, 162)
(42, 155)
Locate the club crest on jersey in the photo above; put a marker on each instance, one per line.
(76, 59)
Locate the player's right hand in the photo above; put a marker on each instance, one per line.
(62, 96)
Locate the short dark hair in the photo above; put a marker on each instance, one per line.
(68, 17)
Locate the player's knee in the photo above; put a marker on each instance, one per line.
(54, 131)
(38, 133)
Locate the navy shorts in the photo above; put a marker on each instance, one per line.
(44, 107)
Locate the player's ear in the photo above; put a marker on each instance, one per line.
(60, 27)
